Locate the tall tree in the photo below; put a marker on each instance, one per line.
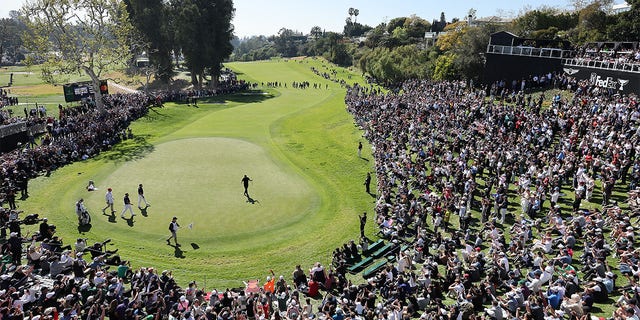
(626, 25)
(10, 41)
(316, 32)
(151, 19)
(356, 12)
(78, 36)
(204, 33)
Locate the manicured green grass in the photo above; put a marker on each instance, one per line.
(299, 147)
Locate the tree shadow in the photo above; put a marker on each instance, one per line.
(247, 96)
(130, 149)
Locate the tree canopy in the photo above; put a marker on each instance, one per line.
(78, 36)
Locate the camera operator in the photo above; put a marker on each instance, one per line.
(46, 230)
(80, 245)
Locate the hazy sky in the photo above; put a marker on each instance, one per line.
(261, 17)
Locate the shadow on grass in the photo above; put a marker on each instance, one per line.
(195, 246)
(131, 149)
(143, 211)
(247, 96)
(130, 221)
(112, 217)
(178, 253)
(84, 228)
(251, 200)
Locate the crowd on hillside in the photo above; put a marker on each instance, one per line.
(542, 180)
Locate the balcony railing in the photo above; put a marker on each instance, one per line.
(530, 51)
(603, 64)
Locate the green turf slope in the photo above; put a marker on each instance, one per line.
(299, 147)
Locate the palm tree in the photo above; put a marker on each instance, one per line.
(356, 12)
(351, 10)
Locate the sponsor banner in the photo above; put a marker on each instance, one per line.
(619, 81)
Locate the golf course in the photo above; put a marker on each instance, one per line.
(298, 146)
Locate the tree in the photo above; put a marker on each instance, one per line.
(204, 33)
(356, 12)
(626, 25)
(543, 19)
(151, 19)
(78, 36)
(287, 42)
(10, 41)
(316, 32)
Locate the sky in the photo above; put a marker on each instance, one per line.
(263, 17)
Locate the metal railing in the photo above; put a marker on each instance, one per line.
(530, 51)
(605, 65)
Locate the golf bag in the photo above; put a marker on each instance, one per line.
(84, 218)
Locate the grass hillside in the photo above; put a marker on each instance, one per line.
(298, 145)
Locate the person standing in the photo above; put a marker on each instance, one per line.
(367, 183)
(108, 198)
(141, 197)
(359, 149)
(245, 183)
(127, 206)
(173, 228)
(363, 222)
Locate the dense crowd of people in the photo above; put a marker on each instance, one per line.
(446, 150)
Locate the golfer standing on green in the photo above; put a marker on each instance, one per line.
(173, 228)
(245, 183)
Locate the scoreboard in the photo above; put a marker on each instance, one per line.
(81, 90)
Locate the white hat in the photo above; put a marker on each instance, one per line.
(183, 298)
(609, 274)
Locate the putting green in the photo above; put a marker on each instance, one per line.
(198, 180)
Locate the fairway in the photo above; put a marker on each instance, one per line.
(298, 146)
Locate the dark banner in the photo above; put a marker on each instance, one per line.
(618, 81)
(82, 90)
(517, 67)
(11, 129)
